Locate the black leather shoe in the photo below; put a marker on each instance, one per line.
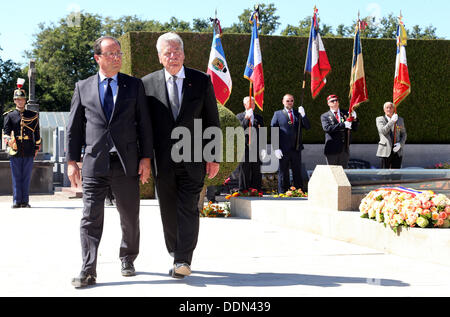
(85, 279)
(25, 205)
(128, 269)
(180, 270)
(16, 206)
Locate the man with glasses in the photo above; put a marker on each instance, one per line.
(109, 117)
(287, 120)
(336, 123)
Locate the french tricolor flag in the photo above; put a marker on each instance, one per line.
(402, 84)
(316, 59)
(218, 67)
(254, 69)
(358, 88)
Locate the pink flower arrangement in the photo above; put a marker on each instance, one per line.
(400, 206)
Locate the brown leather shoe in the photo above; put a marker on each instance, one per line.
(180, 270)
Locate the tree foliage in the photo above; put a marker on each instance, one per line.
(9, 72)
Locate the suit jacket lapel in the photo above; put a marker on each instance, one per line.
(121, 86)
(96, 95)
(186, 91)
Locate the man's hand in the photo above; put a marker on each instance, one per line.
(212, 169)
(301, 110)
(73, 172)
(394, 117)
(397, 147)
(248, 113)
(144, 170)
(278, 154)
(348, 125)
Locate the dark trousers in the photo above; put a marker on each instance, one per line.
(338, 159)
(178, 195)
(290, 160)
(126, 192)
(393, 161)
(21, 168)
(250, 175)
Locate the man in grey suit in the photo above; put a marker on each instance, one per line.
(179, 99)
(109, 117)
(391, 127)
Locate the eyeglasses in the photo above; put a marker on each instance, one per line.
(112, 55)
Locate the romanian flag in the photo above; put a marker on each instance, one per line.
(358, 88)
(218, 68)
(254, 69)
(402, 85)
(316, 59)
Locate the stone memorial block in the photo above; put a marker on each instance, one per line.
(329, 188)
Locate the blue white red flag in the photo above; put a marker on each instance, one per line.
(358, 88)
(317, 63)
(218, 68)
(254, 69)
(402, 84)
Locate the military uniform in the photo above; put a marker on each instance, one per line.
(23, 127)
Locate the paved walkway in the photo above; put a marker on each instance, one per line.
(40, 253)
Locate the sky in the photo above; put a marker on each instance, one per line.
(20, 21)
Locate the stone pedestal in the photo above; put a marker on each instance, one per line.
(41, 178)
(330, 188)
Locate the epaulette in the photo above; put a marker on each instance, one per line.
(8, 112)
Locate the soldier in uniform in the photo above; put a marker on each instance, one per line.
(21, 131)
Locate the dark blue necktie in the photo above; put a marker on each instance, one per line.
(108, 101)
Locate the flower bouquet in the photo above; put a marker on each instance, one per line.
(292, 192)
(399, 206)
(215, 210)
(251, 192)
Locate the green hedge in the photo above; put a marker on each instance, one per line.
(425, 110)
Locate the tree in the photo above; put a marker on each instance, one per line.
(125, 24)
(268, 21)
(304, 28)
(64, 55)
(9, 72)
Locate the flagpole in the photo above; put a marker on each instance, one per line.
(395, 104)
(351, 95)
(297, 144)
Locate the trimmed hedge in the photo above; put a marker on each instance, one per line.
(425, 110)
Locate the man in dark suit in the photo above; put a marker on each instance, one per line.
(180, 98)
(109, 117)
(336, 123)
(288, 120)
(250, 168)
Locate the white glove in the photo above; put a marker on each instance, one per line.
(248, 113)
(397, 147)
(278, 154)
(394, 117)
(263, 154)
(348, 125)
(301, 110)
(354, 114)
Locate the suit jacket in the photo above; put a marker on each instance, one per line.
(198, 102)
(129, 128)
(385, 130)
(258, 122)
(336, 134)
(288, 132)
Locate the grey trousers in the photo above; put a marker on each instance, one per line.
(126, 192)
